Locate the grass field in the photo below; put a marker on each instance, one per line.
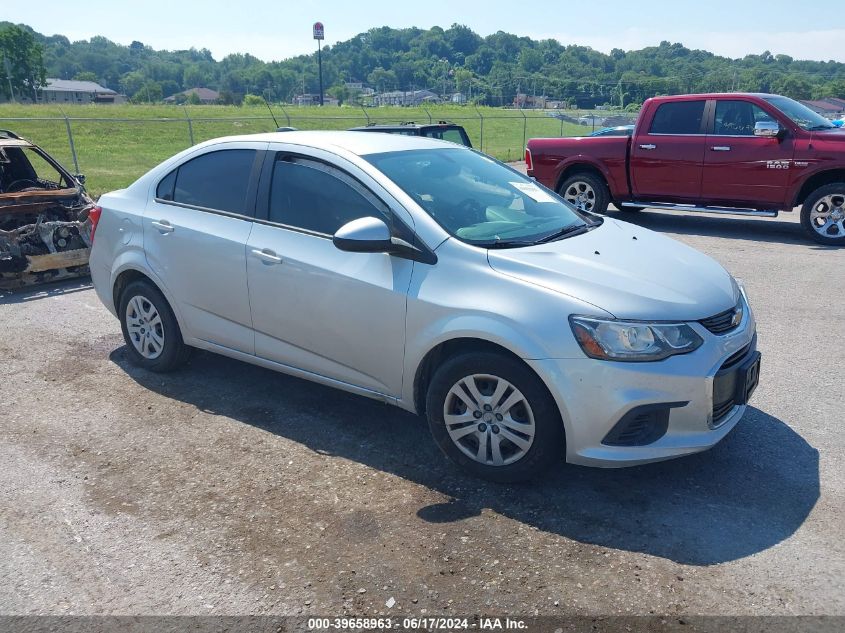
(116, 144)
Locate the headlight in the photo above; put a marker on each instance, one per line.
(608, 339)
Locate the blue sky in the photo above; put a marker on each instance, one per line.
(280, 29)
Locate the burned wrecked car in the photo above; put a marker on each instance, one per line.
(44, 227)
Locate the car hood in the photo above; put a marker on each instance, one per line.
(631, 272)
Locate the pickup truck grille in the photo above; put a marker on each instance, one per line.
(724, 321)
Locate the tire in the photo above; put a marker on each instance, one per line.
(823, 214)
(586, 191)
(539, 442)
(152, 334)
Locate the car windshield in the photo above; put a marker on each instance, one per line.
(800, 114)
(479, 200)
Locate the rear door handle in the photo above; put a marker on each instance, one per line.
(721, 148)
(267, 256)
(163, 226)
(648, 146)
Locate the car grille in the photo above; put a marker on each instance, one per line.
(724, 321)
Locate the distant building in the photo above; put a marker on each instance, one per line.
(405, 98)
(73, 91)
(831, 106)
(314, 100)
(206, 95)
(459, 97)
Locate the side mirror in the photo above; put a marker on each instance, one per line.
(80, 178)
(372, 235)
(766, 129)
(364, 235)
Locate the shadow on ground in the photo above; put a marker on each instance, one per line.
(735, 228)
(42, 291)
(747, 494)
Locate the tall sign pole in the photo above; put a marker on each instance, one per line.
(319, 36)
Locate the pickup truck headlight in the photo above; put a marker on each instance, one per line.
(633, 341)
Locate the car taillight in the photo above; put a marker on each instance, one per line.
(94, 217)
(529, 164)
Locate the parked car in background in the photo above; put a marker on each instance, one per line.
(442, 130)
(432, 277)
(44, 216)
(749, 154)
(619, 130)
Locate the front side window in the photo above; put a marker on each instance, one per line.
(310, 195)
(738, 118)
(678, 117)
(476, 198)
(217, 180)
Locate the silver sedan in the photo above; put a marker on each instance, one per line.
(437, 279)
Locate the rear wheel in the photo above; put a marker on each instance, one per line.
(823, 214)
(493, 416)
(586, 192)
(152, 335)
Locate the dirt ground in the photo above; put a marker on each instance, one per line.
(229, 489)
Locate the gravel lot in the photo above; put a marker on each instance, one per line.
(229, 489)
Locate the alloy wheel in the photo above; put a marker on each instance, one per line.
(580, 195)
(828, 216)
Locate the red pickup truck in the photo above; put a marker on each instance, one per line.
(737, 153)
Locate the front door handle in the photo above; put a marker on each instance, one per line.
(648, 146)
(267, 256)
(721, 148)
(163, 226)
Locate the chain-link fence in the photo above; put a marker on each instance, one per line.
(112, 151)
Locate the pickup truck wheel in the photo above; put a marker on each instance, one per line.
(586, 192)
(823, 214)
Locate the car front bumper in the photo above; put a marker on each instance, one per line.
(594, 395)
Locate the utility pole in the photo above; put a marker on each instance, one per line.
(318, 35)
(8, 68)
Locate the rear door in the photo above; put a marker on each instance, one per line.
(741, 169)
(667, 154)
(314, 307)
(195, 234)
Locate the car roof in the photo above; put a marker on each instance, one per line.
(354, 142)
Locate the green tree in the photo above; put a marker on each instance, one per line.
(86, 76)
(253, 100)
(22, 65)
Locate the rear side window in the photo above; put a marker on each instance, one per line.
(310, 195)
(217, 180)
(679, 117)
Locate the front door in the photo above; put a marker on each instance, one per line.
(667, 157)
(741, 169)
(337, 314)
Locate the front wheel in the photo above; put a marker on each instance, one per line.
(494, 417)
(586, 192)
(823, 214)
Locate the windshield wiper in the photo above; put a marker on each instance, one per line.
(567, 231)
(816, 128)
